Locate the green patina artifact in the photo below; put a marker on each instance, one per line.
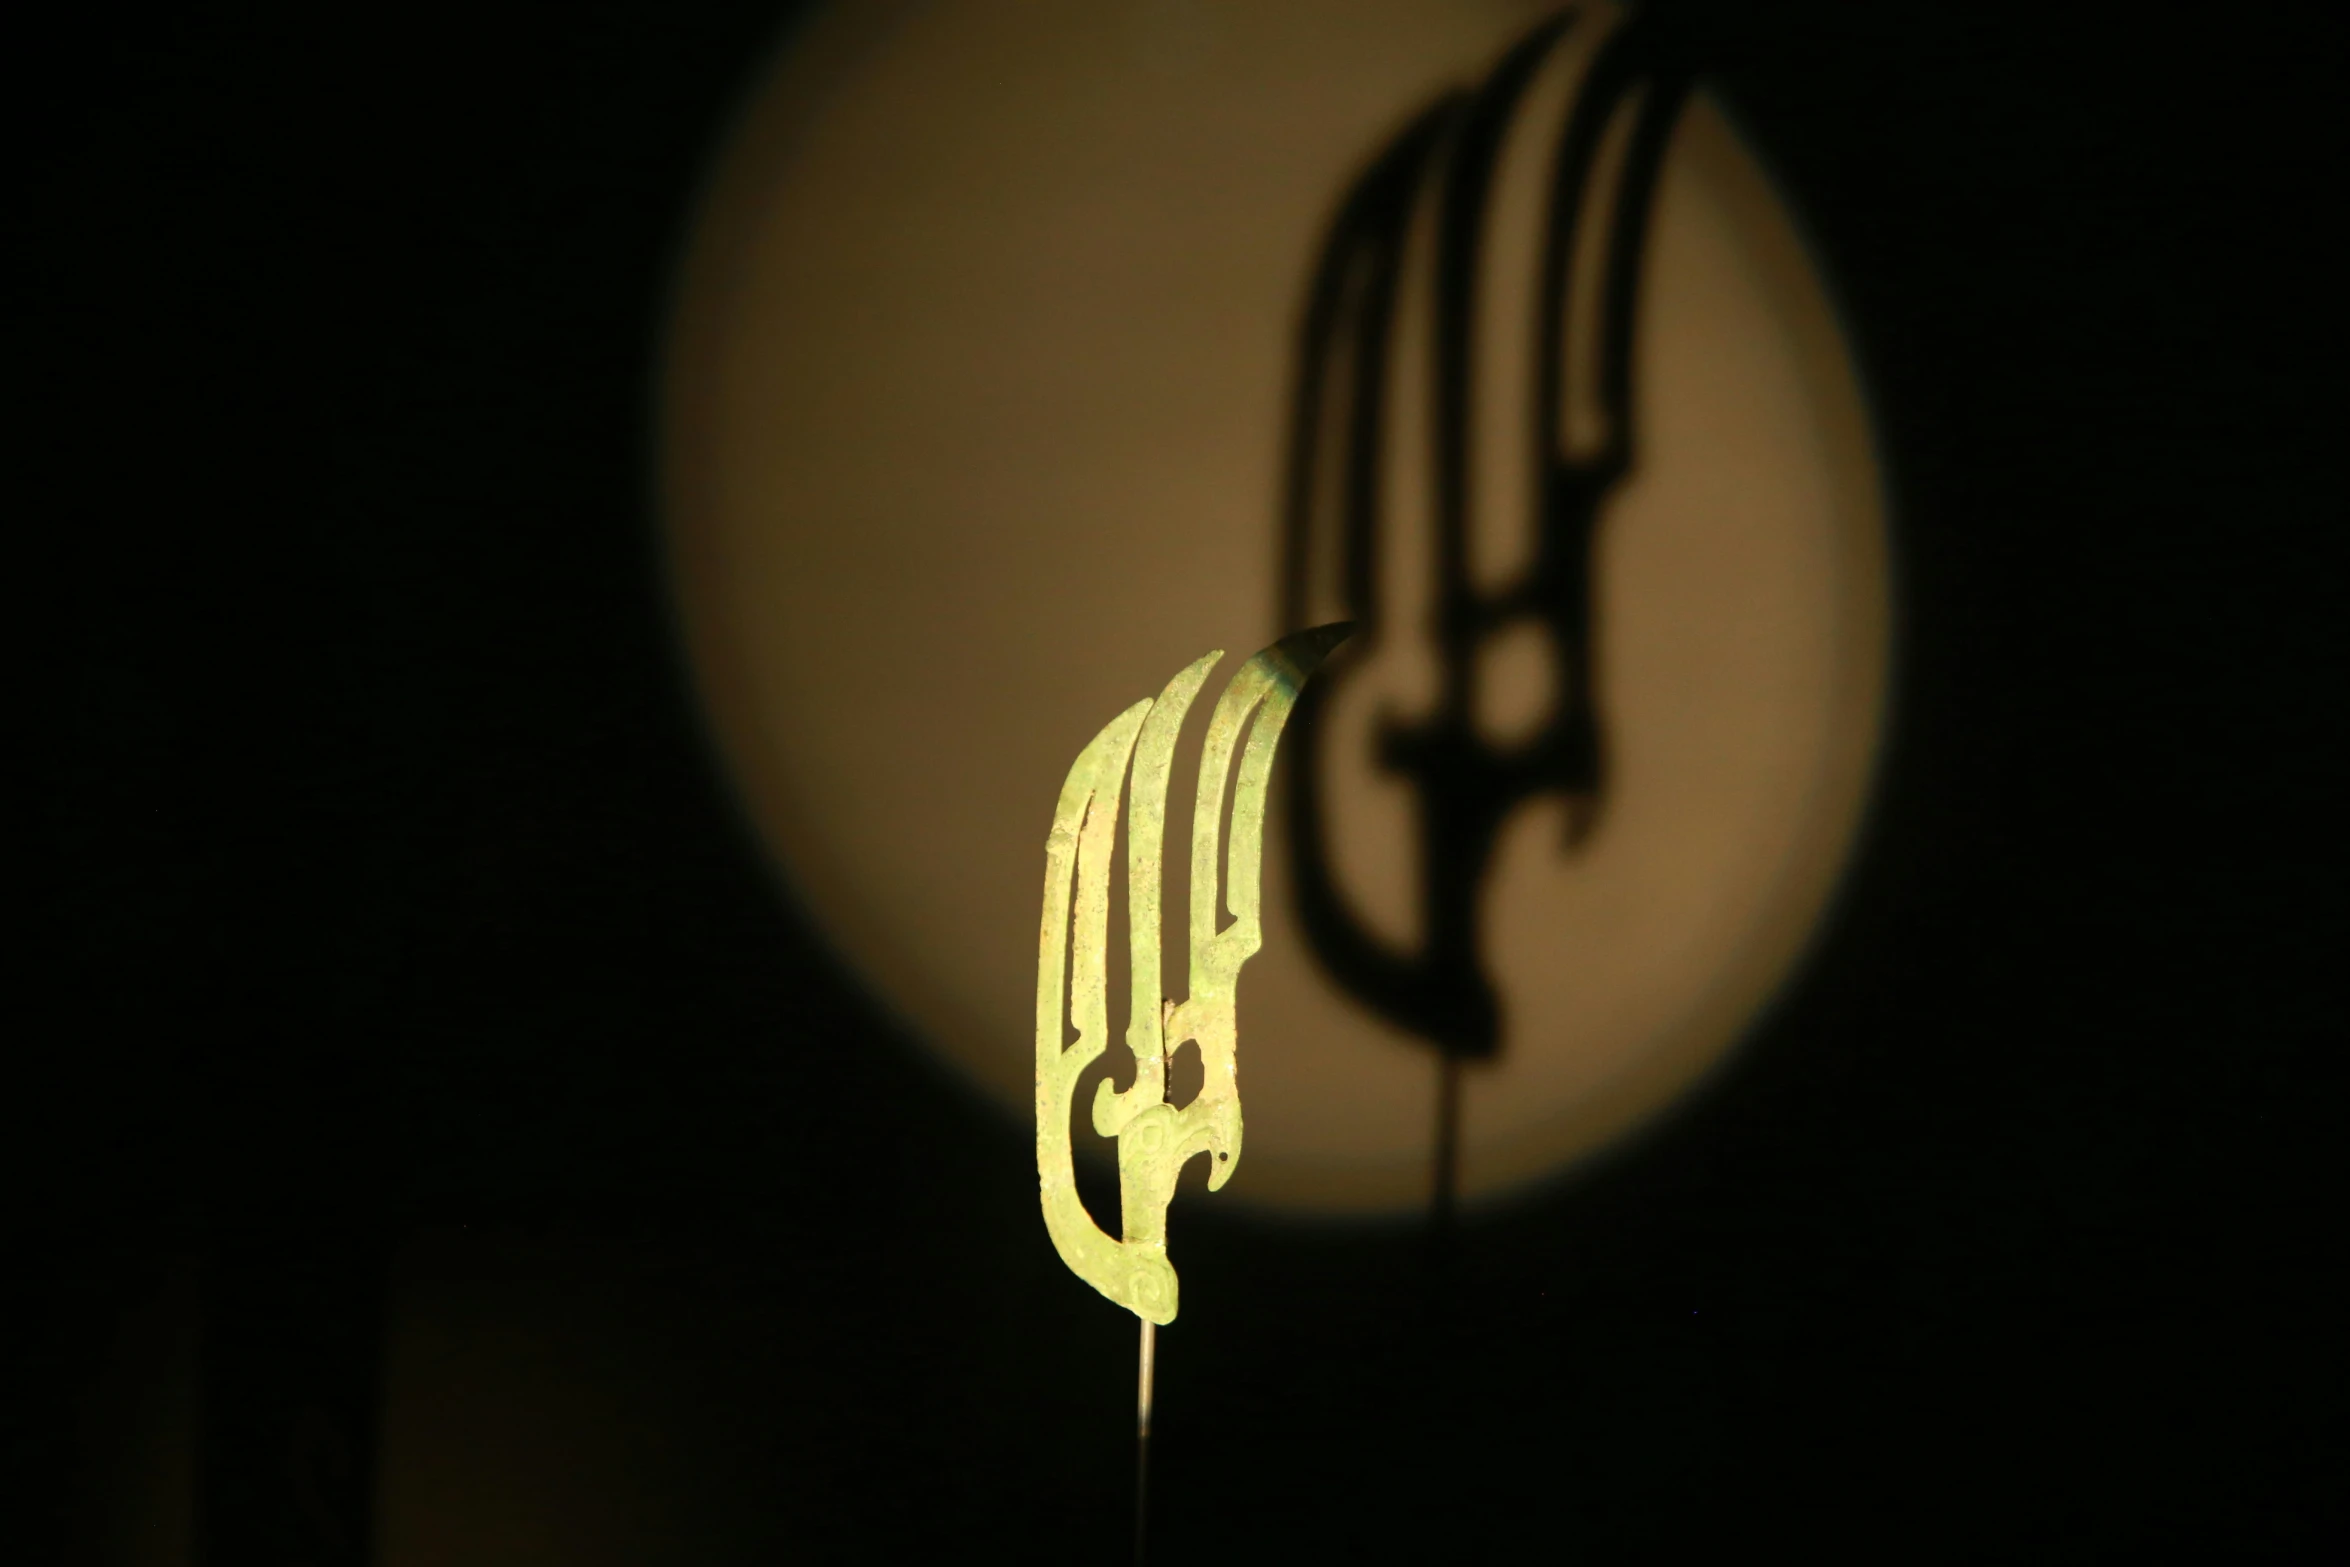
(1154, 1137)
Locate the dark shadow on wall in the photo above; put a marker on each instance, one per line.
(1464, 783)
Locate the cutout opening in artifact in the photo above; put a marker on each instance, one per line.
(1186, 1074)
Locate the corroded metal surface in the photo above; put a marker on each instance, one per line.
(1154, 1137)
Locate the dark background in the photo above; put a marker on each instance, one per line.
(389, 904)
